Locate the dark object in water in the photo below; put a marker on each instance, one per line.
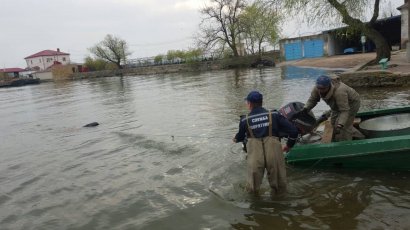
(263, 63)
(92, 124)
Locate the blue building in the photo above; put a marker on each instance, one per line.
(339, 41)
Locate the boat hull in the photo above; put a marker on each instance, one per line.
(391, 152)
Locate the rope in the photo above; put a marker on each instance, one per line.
(231, 150)
(305, 169)
(188, 136)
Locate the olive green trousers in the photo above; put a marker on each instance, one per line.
(266, 153)
(348, 131)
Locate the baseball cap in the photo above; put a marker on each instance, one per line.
(254, 97)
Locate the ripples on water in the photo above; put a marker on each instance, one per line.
(163, 143)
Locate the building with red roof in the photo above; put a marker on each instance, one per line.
(11, 72)
(46, 58)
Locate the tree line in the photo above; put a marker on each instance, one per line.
(238, 27)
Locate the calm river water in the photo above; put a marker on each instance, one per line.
(163, 144)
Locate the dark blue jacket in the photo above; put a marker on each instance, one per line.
(258, 120)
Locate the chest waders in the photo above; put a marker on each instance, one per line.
(265, 153)
(261, 139)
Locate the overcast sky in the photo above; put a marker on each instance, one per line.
(150, 27)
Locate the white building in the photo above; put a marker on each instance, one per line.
(46, 58)
(404, 10)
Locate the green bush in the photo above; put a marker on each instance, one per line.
(96, 64)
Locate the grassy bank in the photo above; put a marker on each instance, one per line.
(227, 63)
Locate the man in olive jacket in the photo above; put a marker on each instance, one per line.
(343, 101)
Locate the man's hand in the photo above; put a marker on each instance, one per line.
(285, 148)
(322, 118)
(234, 140)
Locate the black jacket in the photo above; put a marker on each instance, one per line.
(258, 120)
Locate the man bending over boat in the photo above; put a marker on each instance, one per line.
(343, 101)
(262, 128)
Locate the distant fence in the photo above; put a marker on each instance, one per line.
(214, 56)
(150, 61)
(141, 67)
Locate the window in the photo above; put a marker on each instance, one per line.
(63, 58)
(40, 60)
(31, 61)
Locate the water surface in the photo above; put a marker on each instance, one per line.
(163, 144)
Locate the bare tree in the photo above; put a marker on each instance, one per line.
(350, 12)
(259, 25)
(221, 24)
(111, 49)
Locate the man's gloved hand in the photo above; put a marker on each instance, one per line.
(322, 118)
(338, 128)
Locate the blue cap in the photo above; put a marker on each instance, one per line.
(254, 97)
(323, 81)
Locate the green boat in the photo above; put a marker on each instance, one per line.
(381, 149)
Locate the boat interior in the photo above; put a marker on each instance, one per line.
(365, 127)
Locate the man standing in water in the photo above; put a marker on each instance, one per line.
(343, 101)
(262, 128)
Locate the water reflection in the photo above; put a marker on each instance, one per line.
(294, 72)
(333, 200)
(379, 98)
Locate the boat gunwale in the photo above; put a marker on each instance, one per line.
(338, 145)
(356, 154)
(378, 112)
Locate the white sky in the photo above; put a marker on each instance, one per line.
(150, 27)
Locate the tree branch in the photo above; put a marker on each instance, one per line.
(375, 11)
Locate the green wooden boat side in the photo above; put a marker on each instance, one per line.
(385, 152)
(382, 112)
(395, 161)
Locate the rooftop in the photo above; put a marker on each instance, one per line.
(11, 70)
(46, 53)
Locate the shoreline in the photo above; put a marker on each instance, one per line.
(353, 69)
(357, 72)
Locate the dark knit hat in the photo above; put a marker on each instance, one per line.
(323, 80)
